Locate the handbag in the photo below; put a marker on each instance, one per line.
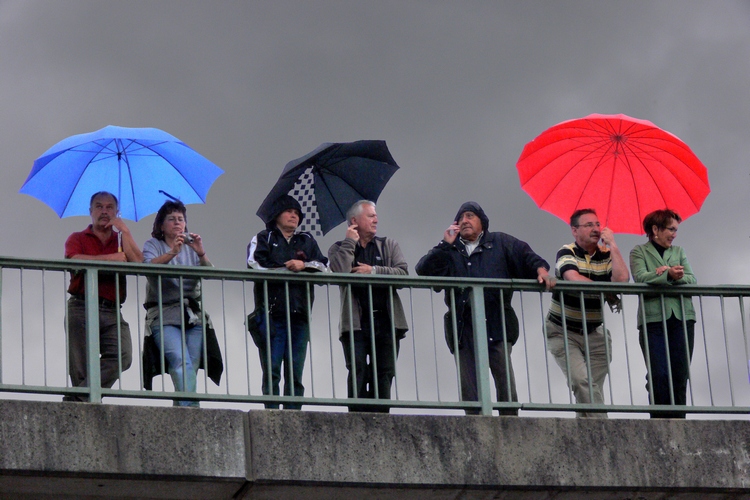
(253, 326)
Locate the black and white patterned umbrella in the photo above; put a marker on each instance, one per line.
(329, 180)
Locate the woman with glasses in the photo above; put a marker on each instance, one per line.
(666, 338)
(175, 324)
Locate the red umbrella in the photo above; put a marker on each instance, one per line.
(622, 167)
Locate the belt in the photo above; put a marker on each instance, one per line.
(102, 301)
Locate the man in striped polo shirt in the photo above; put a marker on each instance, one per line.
(584, 260)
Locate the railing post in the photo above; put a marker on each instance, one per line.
(481, 354)
(93, 370)
(1, 325)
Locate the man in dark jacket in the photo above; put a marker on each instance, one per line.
(469, 250)
(279, 248)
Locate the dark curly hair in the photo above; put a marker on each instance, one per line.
(169, 207)
(660, 219)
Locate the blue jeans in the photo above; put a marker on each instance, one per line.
(280, 346)
(679, 363)
(183, 370)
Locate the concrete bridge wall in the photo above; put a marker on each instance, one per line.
(69, 450)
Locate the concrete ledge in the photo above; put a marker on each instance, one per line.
(68, 450)
(82, 449)
(500, 453)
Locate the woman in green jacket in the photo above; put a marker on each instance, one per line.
(660, 263)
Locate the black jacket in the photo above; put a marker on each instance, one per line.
(270, 250)
(498, 255)
(151, 362)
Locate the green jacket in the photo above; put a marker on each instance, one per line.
(644, 259)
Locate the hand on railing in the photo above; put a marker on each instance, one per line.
(614, 302)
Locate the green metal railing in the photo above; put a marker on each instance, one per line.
(33, 346)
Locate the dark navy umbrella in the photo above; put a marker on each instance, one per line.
(138, 165)
(329, 180)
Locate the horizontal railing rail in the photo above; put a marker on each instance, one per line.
(34, 343)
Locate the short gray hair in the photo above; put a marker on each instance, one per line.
(356, 209)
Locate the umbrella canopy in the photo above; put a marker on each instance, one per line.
(622, 167)
(329, 180)
(138, 165)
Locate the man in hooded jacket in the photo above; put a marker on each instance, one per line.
(280, 248)
(469, 250)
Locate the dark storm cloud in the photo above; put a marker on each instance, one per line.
(456, 89)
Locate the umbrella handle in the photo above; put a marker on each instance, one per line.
(119, 242)
(168, 195)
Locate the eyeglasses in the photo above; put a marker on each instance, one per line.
(672, 230)
(590, 225)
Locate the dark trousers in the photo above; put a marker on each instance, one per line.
(502, 374)
(110, 360)
(659, 368)
(280, 351)
(365, 361)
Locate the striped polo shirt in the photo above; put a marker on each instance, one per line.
(596, 267)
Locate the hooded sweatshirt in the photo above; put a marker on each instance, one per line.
(269, 249)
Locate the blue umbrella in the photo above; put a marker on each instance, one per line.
(329, 180)
(138, 165)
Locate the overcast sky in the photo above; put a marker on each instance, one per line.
(455, 88)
